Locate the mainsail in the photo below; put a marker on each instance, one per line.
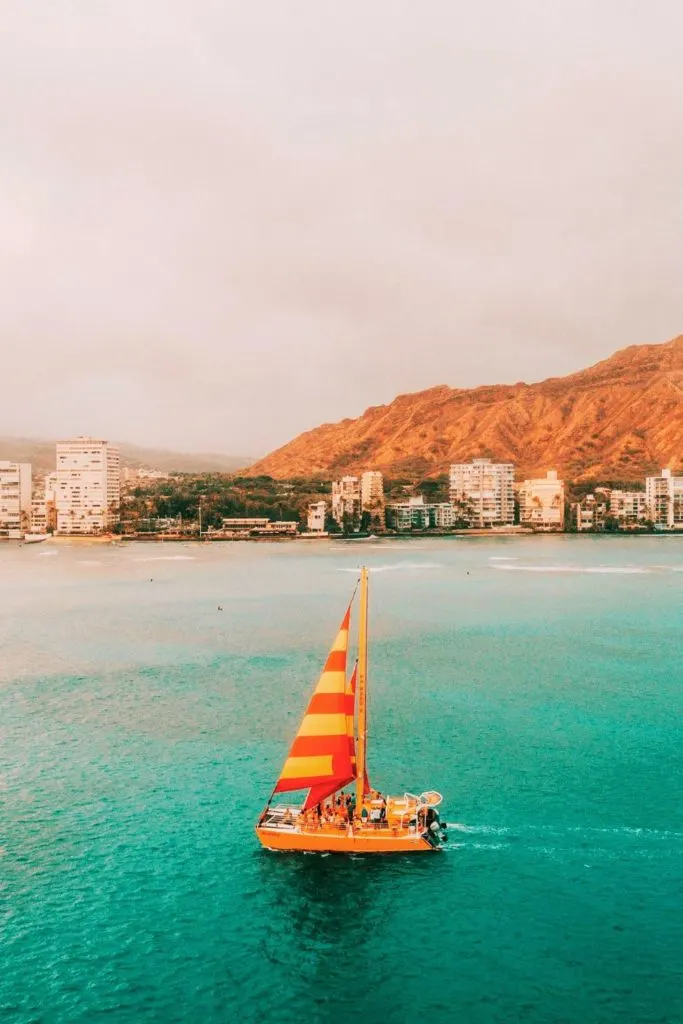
(320, 757)
(351, 725)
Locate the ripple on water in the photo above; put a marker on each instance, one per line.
(142, 733)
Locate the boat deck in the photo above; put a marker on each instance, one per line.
(287, 827)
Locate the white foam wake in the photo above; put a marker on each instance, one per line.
(618, 570)
(166, 558)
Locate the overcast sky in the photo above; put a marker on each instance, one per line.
(224, 223)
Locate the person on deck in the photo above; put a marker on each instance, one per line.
(351, 806)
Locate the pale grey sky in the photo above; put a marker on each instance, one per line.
(223, 223)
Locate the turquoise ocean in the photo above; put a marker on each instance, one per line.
(536, 682)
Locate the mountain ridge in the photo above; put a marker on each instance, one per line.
(617, 419)
(41, 454)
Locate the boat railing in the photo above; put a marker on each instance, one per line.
(314, 825)
(293, 819)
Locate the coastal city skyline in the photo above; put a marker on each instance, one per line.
(87, 492)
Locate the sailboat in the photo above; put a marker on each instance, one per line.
(329, 755)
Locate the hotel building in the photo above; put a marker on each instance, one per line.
(15, 499)
(664, 495)
(87, 487)
(485, 488)
(541, 502)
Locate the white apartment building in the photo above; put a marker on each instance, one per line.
(415, 514)
(628, 507)
(444, 516)
(346, 499)
(487, 488)
(316, 517)
(541, 502)
(15, 499)
(87, 487)
(371, 489)
(664, 495)
(412, 514)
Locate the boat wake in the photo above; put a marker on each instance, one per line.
(573, 841)
(617, 570)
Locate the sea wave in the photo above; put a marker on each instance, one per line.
(617, 570)
(166, 558)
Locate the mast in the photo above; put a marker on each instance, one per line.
(362, 689)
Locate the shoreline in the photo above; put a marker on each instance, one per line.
(372, 539)
(380, 538)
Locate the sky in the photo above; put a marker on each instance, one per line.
(224, 223)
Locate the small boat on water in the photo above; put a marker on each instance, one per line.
(35, 538)
(329, 753)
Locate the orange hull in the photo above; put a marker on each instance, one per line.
(362, 841)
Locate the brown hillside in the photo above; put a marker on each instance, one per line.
(615, 420)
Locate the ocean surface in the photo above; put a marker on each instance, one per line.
(536, 682)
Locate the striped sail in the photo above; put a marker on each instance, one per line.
(320, 757)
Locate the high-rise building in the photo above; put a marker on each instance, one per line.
(629, 508)
(664, 495)
(43, 511)
(346, 503)
(316, 516)
(15, 498)
(371, 489)
(484, 491)
(372, 498)
(541, 502)
(87, 487)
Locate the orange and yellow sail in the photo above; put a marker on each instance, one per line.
(322, 756)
